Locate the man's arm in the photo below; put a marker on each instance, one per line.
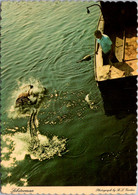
(97, 48)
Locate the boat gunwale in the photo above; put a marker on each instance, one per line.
(95, 55)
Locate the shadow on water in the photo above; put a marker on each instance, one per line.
(119, 100)
(119, 96)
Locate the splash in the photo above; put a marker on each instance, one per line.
(90, 102)
(46, 148)
(40, 147)
(31, 143)
(38, 92)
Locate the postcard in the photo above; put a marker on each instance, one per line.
(68, 97)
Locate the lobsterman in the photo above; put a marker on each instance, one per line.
(107, 48)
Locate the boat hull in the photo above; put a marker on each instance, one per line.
(119, 95)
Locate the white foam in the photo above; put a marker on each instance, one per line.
(23, 87)
(90, 102)
(40, 148)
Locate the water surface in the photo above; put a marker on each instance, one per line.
(41, 43)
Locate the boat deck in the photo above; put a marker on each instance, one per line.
(125, 44)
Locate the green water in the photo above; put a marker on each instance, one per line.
(41, 43)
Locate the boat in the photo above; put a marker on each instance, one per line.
(118, 20)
